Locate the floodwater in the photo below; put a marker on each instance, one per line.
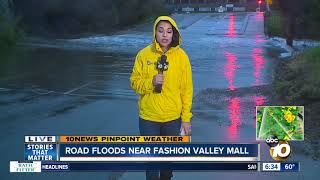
(81, 87)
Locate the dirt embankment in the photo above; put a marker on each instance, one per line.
(296, 82)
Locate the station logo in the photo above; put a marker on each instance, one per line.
(279, 150)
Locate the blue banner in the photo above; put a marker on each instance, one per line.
(72, 166)
(158, 150)
(40, 152)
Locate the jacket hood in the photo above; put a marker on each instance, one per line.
(172, 22)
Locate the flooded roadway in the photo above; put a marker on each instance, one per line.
(81, 87)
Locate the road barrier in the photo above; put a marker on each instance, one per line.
(219, 9)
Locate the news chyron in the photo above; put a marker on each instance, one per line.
(277, 126)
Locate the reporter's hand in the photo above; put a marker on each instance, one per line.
(186, 126)
(158, 79)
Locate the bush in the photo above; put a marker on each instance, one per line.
(297, 81)
(60, 17)
(305, 17)
(9, 33)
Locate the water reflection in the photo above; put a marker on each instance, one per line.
(230, 68)
(259, 100)
(80, 73)
(260, 38)
(258, 62)
(231, 30)
(259, 16)
(234, 114)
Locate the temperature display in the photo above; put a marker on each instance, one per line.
(290, 167)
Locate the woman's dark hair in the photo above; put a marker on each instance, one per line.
(175, 36)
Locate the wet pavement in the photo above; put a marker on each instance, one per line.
(81, 87)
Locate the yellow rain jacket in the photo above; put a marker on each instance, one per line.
(175, 99)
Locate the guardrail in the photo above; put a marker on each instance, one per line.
(214, 7)
(208, 9)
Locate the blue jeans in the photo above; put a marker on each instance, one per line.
(150, 128)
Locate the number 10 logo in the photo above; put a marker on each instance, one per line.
(281, 151)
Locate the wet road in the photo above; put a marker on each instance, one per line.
(81, 87)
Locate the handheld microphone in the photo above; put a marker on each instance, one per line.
(162, 65)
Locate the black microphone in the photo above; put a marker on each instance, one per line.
(162, 65)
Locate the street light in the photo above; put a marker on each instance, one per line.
(259, 2)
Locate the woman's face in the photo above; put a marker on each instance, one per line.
(164, 34)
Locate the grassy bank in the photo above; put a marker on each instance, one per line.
(297, 82)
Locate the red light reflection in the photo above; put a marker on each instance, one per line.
(235, 118)
(231, 31)
(260, 38)
(258, 62)
(259, 100)
(230, 68)
(259, 16)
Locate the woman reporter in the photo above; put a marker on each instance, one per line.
(165, 95)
